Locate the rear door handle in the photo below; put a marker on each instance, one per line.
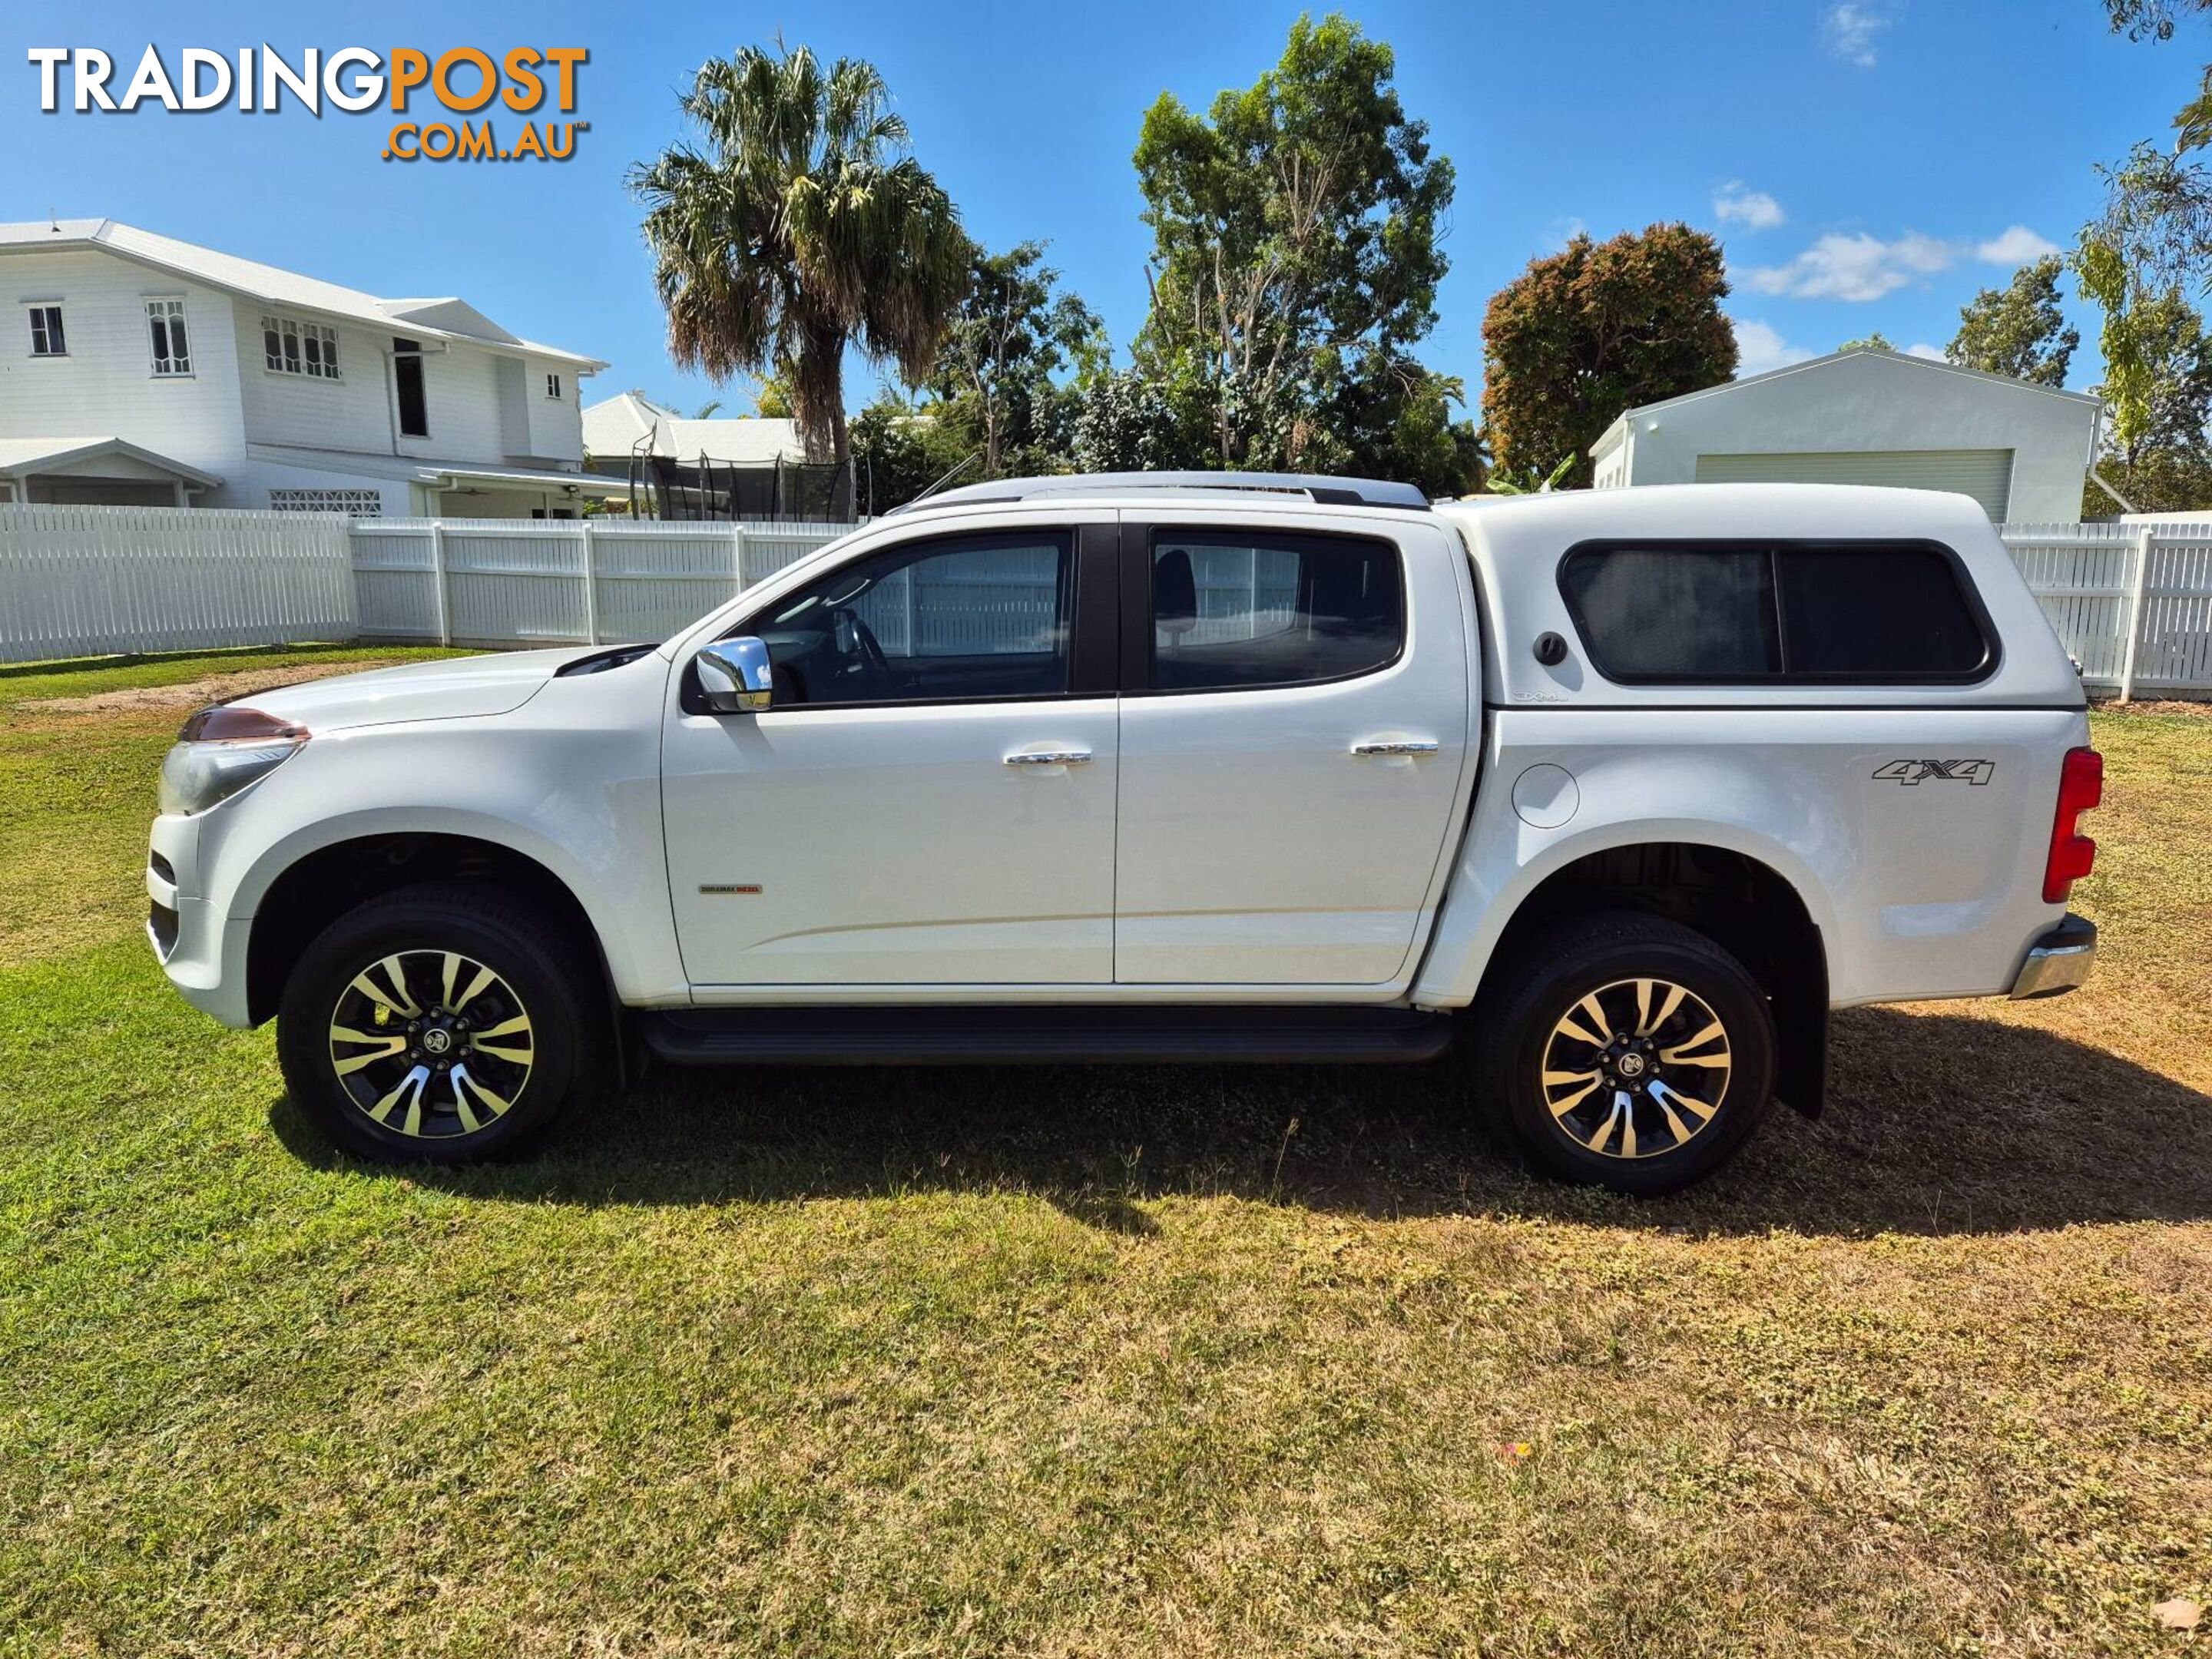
(1396, 746)
(1050, 757)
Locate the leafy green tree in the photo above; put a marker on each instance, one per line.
(2157, 219)
(794, 224)
(2158, 382)
(1876, 341)
(1596, 329)
(1397, 422)
(1296, 229)
(1130, 423)
(2151, 20)
(2018, 330)
(900, 448)
(1000, 368)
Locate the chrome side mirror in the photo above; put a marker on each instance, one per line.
(736, 676)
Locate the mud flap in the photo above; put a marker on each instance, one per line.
(1801, 1022)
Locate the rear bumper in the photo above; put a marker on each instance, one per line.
(2059, 961)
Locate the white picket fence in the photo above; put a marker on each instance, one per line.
(2133, 603)
(91, 581)
(496, 581)
(86, 581)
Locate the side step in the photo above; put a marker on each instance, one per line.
(1024, 1034)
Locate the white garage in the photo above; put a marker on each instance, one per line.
(1868, 416)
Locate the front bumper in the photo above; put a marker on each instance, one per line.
(2059, 961)
(201, 950)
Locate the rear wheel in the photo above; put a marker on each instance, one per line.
(1629, 1052)
(442, 1024)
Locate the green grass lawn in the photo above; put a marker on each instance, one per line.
(1212, 1361)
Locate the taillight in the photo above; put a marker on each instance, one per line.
(2080, 787)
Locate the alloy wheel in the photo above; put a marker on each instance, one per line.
(431, 1045)
(1636, 1068)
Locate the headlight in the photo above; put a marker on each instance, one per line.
(220, 752)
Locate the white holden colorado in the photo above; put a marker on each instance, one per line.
(1625, 789)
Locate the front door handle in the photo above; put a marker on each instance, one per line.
(1050, 757)
(1396, 746)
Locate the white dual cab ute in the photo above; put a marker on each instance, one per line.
(1627, 789)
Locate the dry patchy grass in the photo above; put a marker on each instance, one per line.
(1189, 1362)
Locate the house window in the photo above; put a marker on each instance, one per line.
(407, 385)
(291, 347)
(552, 385)
(46, 340)
(356, 503)
(164, 325)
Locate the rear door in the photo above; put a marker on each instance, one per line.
(1294, 741)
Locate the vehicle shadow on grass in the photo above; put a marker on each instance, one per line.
(1936, 1124)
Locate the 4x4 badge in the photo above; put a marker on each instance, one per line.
(1909, 772)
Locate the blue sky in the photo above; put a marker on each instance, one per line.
(1867, 165)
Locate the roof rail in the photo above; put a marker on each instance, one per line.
(1316, 487)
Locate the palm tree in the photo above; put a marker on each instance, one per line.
(797, 225)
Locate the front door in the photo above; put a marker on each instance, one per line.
(1294, 730)
(930, 798)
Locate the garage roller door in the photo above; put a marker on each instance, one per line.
(1984, 474)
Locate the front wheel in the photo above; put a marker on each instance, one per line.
(444, 1024)
(1627, 1051)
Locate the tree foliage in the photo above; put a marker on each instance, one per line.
(794, 223)
(1296, 231)
(1876, 341)
(1596, 329)
(900, 449)
(2019, 328)
(1000, 374)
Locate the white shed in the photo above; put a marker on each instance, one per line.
(1871, 416)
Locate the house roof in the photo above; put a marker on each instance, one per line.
(615, 427)
(443, 318)
(22, 456)
(1610, 439)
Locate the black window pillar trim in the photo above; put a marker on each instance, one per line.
(1136, 567)
(1094, 651)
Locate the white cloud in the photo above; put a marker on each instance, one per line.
(1864, 267)
(1860, 267)
(1850, 31)
(1922, 349)
(1560, 232)
(1759, 348)
(2017, 247)
(1752, 208)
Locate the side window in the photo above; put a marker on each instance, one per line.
(966, 618)
(165, 326)
(407, 388)
(47, 339)
(1238, 610)
(1675, 613)
(1876, 613)
(1791, 612)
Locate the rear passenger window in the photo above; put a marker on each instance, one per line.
(1747, 612)
(1234, 611)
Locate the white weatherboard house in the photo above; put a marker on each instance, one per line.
(136, 369)
(1871, 416)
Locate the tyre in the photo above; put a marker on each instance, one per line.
(444, 1024)
(1626, 1051)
